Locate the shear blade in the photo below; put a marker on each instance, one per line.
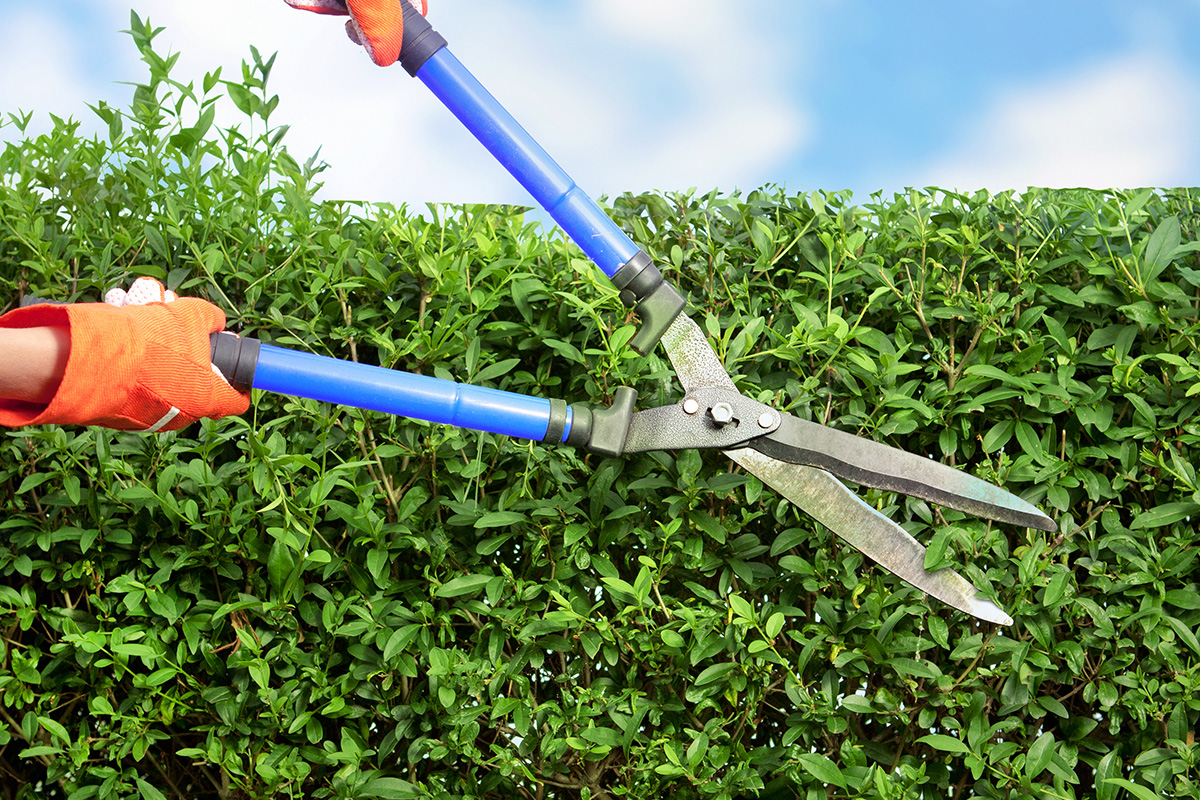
(825, 498)
(869, 463)
(830, 502)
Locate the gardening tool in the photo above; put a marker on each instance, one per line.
(797, 458)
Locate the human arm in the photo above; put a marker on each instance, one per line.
(32, 363)
(144, 366)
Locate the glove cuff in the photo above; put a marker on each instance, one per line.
(100, 371)
(143, 367)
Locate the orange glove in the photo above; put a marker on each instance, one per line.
(143, 366)
(378, 25)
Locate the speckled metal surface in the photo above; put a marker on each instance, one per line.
(676, 427)
(695, 363)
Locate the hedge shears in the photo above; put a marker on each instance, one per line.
(800, 460)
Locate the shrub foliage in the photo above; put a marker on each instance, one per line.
(314, 601)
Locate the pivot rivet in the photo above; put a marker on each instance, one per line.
(767, 419)
(691, 405)
(721, 413)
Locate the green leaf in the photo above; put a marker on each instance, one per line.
(604, 736)
(487, 547)
(935, 554)
(149, 791)
(1107, 769)
(565, 349)
(500, 519)
(280, 562)
(1143, 408)
(708, 524)
(741, 607)
(948, 441)
(910, 666)
(671, 638)
(715, 673)
(998, 435)
(1136, 789)
(1185, 634)
(134, 649)
(388, 788)
(161, 676)
(619, 585)
(996, 374)
(1160, 249)
(260, 673)
(940, 741)
(398, 640)
(33, 481)
(1054, 706)
(1039, 756)
(858, 704)
(1183, 598)
(493, 371)
(156, 242)
(38, 751)
(553, 622)
(55, 729)
(1166, 514)
(462, 586)
(378, 559)
(1056, 589)
(823, 769)
(1062, 295)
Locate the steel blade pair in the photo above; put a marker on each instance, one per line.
(799, 459)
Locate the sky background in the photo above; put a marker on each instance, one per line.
(634, 95)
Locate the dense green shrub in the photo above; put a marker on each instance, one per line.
(321, 602)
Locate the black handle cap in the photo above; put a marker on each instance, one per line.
(236, 357)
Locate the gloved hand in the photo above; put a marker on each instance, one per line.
(139, 361)
(378, 25)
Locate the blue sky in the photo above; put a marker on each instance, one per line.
(630, 95)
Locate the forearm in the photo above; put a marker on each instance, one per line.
(32, 362)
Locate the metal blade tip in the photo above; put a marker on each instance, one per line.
(1044, 523)
(986, 610)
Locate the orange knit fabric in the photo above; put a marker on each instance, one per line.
(382, 25)
(378, 25)
(129, 367)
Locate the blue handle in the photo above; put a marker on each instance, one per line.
(346, 383)
(582, 219)
(630, 269)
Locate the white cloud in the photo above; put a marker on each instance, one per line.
(624, 95)
(739, 118)
(36, 78)
(1131, 121)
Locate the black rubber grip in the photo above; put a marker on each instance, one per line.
(420, 40)
(558, 422)
(236, 357)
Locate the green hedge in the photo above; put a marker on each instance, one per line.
(321, 602)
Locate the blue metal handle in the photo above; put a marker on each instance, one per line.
(346, 383)
(630, 269)
(582, 219)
